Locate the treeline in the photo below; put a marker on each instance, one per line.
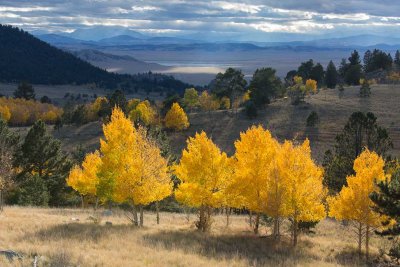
(376, 64)
(26, 58)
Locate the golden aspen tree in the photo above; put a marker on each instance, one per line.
(304, 186)
(353, 203)
(132, 169)
(176, 118)
(85, 179)
(203, 172)
(118, 173)
(311, 86)
(208, 102)
(143, 112)
(154, 182)
(255, 150)
(225, 103)
(5, 113)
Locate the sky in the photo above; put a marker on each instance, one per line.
(242, 20)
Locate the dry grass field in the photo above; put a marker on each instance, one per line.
(58, 239)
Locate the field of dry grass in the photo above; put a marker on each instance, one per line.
(58, 239)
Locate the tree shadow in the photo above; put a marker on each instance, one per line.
(254, 249)
(78, 231)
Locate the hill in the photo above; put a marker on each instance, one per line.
(283, 119)
(23, 57)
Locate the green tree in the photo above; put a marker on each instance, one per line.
(25, 90)
(331, 75)
(8, 145)
(191, 98)
(118, 99)
(40, 154)
(361, 131)
(365, 89)
(317, 74)
(387, 201)
(230, 84)
(397, 59)
(264, 86)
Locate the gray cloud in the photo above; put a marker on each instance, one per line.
(250, 19)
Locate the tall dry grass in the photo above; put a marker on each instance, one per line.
(58, 240)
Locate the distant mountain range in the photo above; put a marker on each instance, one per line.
(26, 58)
(137, 41)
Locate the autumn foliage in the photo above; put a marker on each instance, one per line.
(176, 118)
(21, 112)
(353, 203)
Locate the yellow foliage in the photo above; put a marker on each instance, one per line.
(85, 179)
(132, 169)
(24, 111)
(303, 180)
(132, 103)
(176, 118)
(5, 113)
(353, 201)
(203, 171)
(143, 112)
(298, 79)
(246, 96)
(255, 150)
(208, 102)
(311, 86)
(225, 102)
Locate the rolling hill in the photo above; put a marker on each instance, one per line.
(24, 57)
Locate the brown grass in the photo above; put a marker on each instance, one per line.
(60, 241)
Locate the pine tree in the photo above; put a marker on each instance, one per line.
(387, 202)
(25, 90)
(41, 154)
(191, 98)
(365, 89)
(397, 59)
(331, 75)
(361, 130)
(8, 145)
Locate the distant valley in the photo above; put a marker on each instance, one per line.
(197, 61)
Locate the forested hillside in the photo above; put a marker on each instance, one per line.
(23, 57)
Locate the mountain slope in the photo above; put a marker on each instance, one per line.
(26, 58)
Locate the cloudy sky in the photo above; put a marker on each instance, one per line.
(251, 20)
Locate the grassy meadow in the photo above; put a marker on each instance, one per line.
(65, 237)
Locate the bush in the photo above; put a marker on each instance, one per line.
(250, 109)
(32, 192)
(312, 119)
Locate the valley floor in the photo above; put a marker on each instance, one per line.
(64, 237)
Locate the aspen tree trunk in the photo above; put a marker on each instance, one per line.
(135, 216)
(201, 222)
(82, 202)
(359, 240)
(256, 223)
(96, 205)
(158, 212)
(295, 233)
(1, 200)
(228, 214)
(251, 219)
(367, 242)
(276, 228)
(141, 215)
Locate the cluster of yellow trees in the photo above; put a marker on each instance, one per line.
(208, 102)
(143, 113)
(264, 176)
(19, 111)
